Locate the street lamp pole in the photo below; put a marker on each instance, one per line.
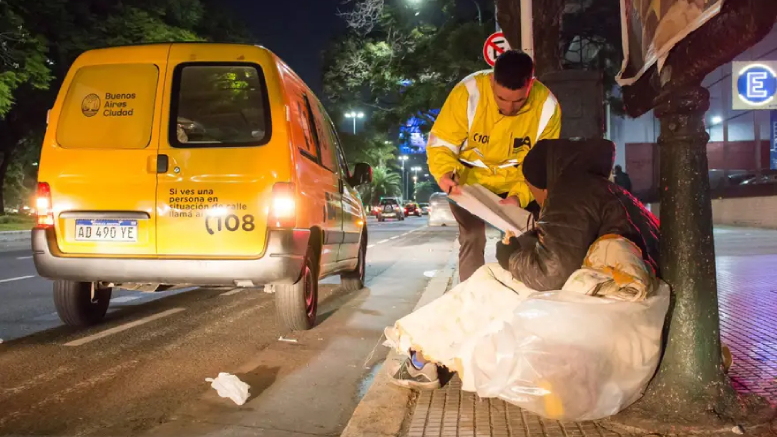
(354, 115)
(403, 158)
(480, 13)
(415, 179)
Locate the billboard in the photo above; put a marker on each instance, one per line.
(414, 134)
(651, 28)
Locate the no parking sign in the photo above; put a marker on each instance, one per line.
(495, 45)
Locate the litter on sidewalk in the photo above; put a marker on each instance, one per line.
(230, 386)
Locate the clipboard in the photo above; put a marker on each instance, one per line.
(484, 204)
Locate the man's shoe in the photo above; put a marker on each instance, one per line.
(409, 377)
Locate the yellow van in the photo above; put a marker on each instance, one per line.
(198, 164)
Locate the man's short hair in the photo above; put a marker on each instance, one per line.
(513, 69)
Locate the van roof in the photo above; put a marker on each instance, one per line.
(172, 43)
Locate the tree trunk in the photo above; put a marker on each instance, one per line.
(6, 161)
(547, 30)
(691, 393)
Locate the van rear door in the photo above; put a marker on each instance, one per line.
(221, 152)
(100, 150)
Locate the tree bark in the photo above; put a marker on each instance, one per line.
(691, 392)
(546, 16)
(6, 161)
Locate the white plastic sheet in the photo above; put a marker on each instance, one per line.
(581, 353)
(571, 357)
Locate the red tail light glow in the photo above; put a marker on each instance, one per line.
(283, 211)
(43, 205)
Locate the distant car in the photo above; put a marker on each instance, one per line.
(412, 208)
(440, 213)
(759, 180)
(390, 208)
(424, 208)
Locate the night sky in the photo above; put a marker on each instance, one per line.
(296, 30)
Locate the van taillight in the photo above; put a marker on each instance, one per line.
(283, 211)
(43, 205)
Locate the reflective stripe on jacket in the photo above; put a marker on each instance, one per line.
(472, 137)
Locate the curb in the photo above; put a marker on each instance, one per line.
(7, 236)
(382, 411)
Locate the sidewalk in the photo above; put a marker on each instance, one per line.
(747, 290)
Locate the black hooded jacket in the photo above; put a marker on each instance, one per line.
(582, 205)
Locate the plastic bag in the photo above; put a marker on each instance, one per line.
(230, 386)
(568, 356)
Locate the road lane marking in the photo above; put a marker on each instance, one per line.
(121, 328)
(231, 292)
(50, 317)
(124, 299)
(24, 257)
(370, 246)
(15, 279)
(382, 241)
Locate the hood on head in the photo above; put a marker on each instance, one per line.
(566, 157)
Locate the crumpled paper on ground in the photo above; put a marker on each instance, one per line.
(230, 386)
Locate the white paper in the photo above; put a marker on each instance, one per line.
(483, 203)
(230, 386)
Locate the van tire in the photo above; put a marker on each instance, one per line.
(297, 304)
(74, 304)
(354, 280)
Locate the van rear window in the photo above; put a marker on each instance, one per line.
(109, 107)
(218, 105)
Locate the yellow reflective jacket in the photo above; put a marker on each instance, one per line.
(472, 137)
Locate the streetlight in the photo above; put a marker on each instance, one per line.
(403, 158)
(354, 115)
(415, 171)
(477, 5)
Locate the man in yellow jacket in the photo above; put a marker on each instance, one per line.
(486, 127)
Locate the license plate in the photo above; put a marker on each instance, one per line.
(107, 230)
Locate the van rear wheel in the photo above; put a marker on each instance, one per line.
(354, 281)
(297, 304)
(78, 304)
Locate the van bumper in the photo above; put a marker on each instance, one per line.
(281, 264)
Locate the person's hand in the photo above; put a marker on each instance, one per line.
(512, 200)
(449, 183)
(503, 252)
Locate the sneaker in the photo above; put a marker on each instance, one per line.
(409, 377)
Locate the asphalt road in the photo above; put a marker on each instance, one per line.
(143, 371)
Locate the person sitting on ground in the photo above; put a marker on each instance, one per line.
(578, 206)
(569, 180)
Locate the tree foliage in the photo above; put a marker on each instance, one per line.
(385, 183)
(40, 40)
(423, 191)
(373, 148)
(399, 65)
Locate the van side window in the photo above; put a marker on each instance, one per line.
(341, 161)
(309, 148)
(311, 127)
(219, 105)
(325, 139)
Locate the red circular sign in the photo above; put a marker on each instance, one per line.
(495, 45)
